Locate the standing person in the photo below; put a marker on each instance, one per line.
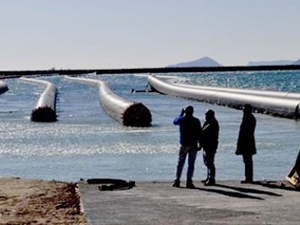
(246, 142)
(210, 137)
(190, 140)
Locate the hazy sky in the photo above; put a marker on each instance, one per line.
(100, 34)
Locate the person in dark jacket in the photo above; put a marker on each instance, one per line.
(246, 142)
(190, 141)
(210, 137)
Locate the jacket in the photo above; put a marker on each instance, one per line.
(246, 139)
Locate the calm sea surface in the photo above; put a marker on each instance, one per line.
(86, 143)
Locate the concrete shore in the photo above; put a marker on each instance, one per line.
(158, 203)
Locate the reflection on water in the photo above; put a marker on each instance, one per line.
(86, 142)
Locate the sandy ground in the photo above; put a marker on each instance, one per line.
(25, 201)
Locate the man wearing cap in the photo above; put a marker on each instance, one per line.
(246, 142)
(190, 140)
(210, 136)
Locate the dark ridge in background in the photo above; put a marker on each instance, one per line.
(18, 73)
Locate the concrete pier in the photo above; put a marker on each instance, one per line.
(158, 203)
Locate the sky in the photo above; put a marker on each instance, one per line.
(105, 34)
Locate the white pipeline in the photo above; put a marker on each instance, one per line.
(274, 105)
(277, 94)
(45, 108)
(124, 111)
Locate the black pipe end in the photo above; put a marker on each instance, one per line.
(3, 90)
(137, 115)
(43, 114)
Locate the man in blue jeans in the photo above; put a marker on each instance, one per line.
(190, 141)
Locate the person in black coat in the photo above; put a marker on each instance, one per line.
(246, 142)
(210, 136)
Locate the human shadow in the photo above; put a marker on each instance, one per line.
(248, 190)
(229, 193)
(277, 185)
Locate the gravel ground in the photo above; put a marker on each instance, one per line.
(25, 201)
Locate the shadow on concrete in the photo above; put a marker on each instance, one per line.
(277, 185)
(248, 190)
(229, 193)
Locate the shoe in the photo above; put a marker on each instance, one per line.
(204, 181)
(190, 186)
(210, 183)
(246, 181)
(176, 184)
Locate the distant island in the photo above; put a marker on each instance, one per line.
(202, 62)
(297, 62)
(209, 62)
(268, 63)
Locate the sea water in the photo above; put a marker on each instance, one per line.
(87, 143)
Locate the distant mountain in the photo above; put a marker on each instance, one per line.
(271, 63)
(202, 62)
(297, 62)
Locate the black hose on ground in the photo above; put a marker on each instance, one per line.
(108, 184)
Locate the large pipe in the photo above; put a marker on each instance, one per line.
(45, 108)
(277, 94)
(3, 87)
(126, 112)
(276, 106)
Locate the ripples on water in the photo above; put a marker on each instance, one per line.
(86, 142)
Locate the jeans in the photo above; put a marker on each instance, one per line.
(185, 151)
(209, 161)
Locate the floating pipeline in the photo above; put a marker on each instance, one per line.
(3, 87)
(45, 108)
(287, 107)
(126, 112)
(276, 94)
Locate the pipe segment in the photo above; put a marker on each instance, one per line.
(277, 94)
(45, 109)
(276, 106)
(3, 87)
(124, 111)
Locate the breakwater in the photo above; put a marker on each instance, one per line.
(18, 73)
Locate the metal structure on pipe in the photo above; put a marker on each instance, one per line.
(261, 102)
(45, 109)
(3, 87)
(126, 112)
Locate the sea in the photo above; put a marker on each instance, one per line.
(86, 143)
